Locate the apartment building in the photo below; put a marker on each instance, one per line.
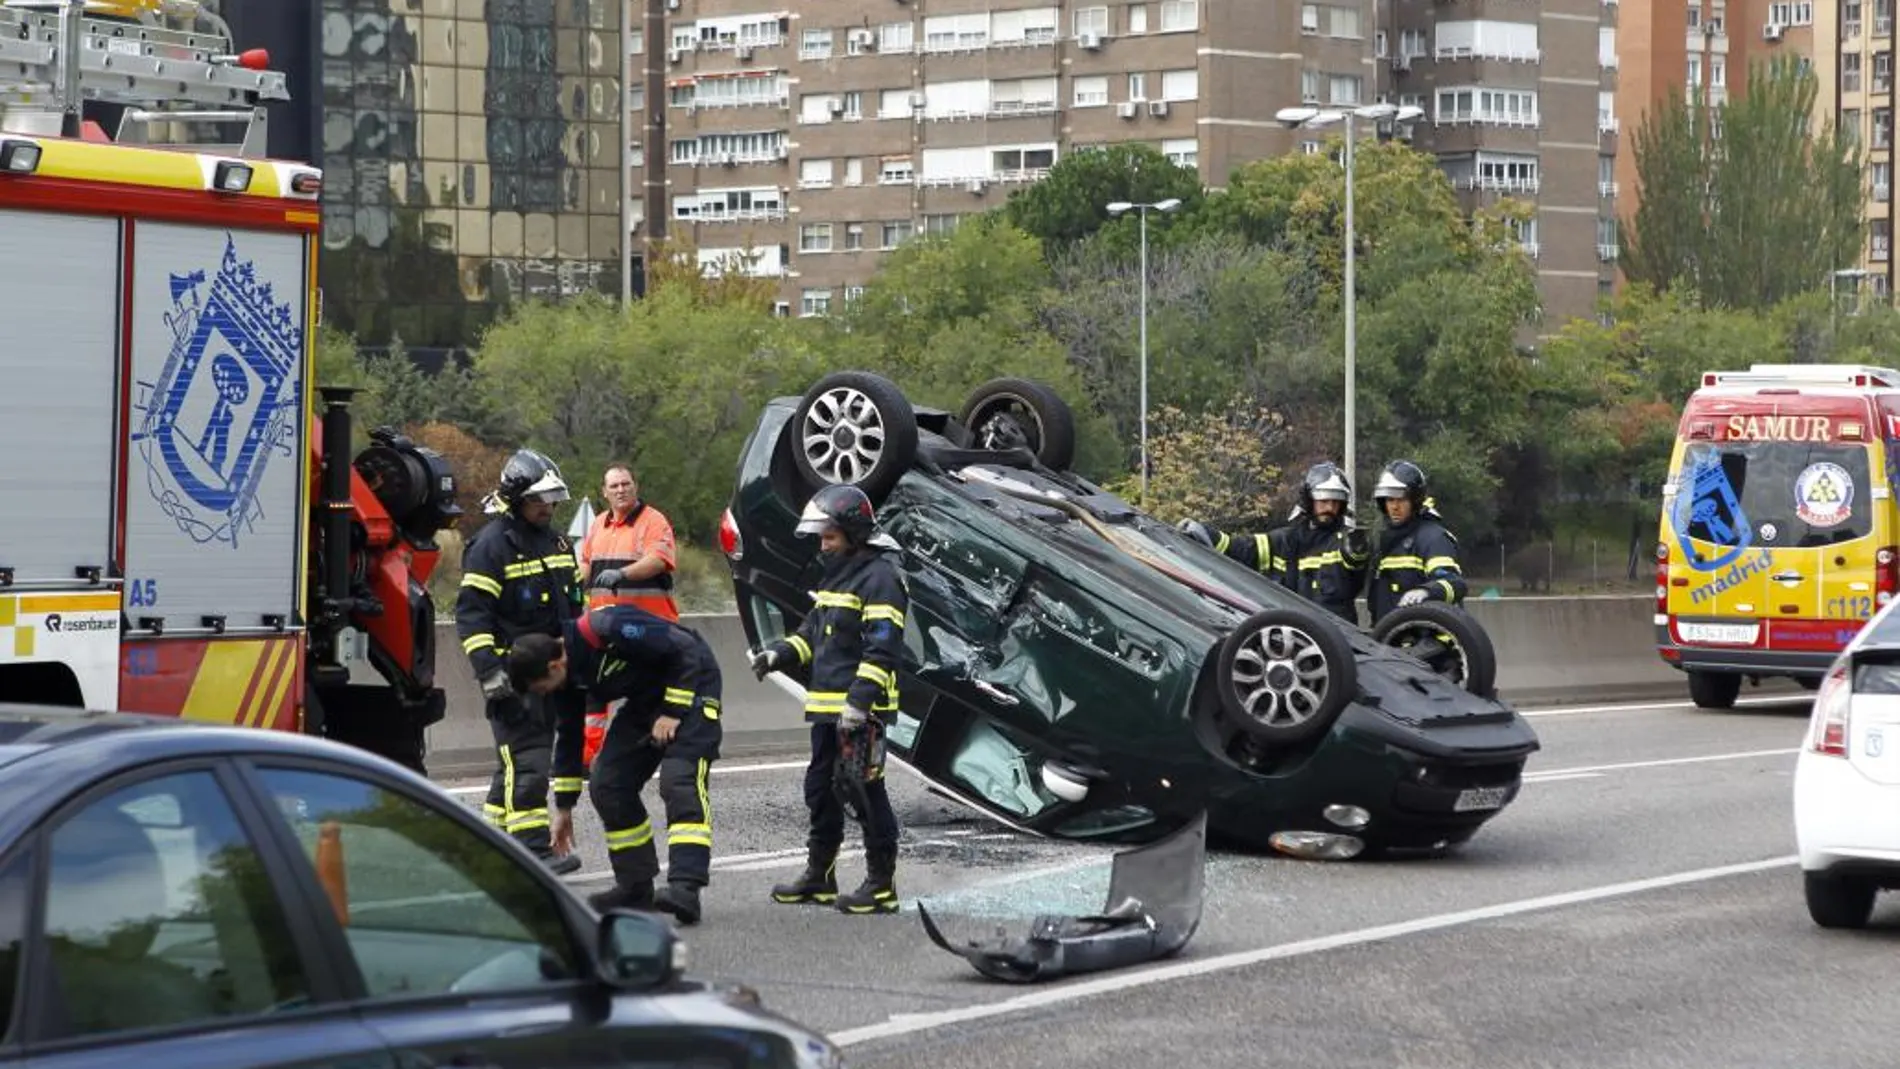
(1518, 95)
(800, 143)
(1709, 45)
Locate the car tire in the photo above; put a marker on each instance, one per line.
(853, 428)
(1838, 901)
(1714, 690)
(1002, 411)
(1468, 658)
(1268, 666)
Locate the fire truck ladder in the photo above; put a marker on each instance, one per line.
(57, 54)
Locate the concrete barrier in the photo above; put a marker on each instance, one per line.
(1550, 650)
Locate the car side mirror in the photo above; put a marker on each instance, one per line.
(637, 950)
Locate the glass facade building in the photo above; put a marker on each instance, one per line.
(471, 157)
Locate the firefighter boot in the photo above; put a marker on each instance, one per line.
(818, 883)
(679, 899)
(638, 897)
(878, 892)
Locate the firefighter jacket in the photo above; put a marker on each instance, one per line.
(1325, 565)
(851, 643)
(1419, 553)
(516, 579)
(659, 667)
(614, 543)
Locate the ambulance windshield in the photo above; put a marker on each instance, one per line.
(1770, 495)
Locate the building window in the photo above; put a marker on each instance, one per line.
(895, 171)
(1184, 151)
(1882, 181)
(1606, 47)
(1309, 87)
(1137, 86)
(853, 236)
(941, 224)
(1181, 85)
(814, 237)
(814, 303)
(1488, 38)
(1883, 72)
(896, 37)
(637, 98)
(1344, 88)
(1137, 18)
(814, 174)
(814, 44)
(1180, 15)
(1850, 125)
(1880, 240)
(1850, 72)
(853, 294)
(1009, 163)
(896, 233)
(636, 42)
(1091, 91)
(1883, 127)
(1503, 107)
(1791, 13)
(1091, 20)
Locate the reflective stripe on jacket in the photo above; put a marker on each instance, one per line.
(850, 645)
(516, 579)
(617, 543)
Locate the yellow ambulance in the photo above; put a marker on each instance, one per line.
(1778, 530)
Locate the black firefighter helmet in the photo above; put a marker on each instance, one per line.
(844, 507)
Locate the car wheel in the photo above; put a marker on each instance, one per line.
(1449, 640)
(1019, 413)
(1714, 690)
(1838, 901)
(1285, 675)
(854, 428)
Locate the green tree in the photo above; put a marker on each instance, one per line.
(1748, 202)
(1071, 203)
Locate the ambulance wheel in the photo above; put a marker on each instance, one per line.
(1714, 690)
(853, 428)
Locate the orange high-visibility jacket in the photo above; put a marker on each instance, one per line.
(618, 543)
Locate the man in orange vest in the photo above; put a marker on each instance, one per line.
(627, 558)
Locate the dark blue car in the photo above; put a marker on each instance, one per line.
(178, 895)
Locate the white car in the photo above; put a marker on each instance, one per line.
(1847, 780)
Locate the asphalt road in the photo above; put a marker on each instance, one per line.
(1638, 905)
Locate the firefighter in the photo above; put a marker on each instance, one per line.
(1417, 557)
(669, 724)
(848, 649)
(628, 558)
(519, 578)
(1321, 554)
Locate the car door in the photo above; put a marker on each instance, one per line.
(160, 930)
(462, 951)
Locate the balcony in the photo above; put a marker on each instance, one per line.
(1494, 184)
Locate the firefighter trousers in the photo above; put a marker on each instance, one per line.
(629, 757)
(827, 811)
(518, 791)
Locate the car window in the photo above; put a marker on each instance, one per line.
(15, 895)
(428, 906)
(159, 913)
(1773, 494)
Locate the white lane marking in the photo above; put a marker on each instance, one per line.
(911, 1023)
(1572, 773)
(1559, 777)
(1635, 707)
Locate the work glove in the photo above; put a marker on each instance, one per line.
(495, 685)
(608, 579)
(1412, 597)
(852, 718)
(1196, 530)
(764, 661)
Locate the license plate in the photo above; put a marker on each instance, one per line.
(1480, 798)
(1719, 634)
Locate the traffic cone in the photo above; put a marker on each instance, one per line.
(330, 869)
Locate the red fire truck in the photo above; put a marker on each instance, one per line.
(185, 532)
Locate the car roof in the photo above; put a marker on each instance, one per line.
(47, 753)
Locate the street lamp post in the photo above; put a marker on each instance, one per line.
(1314, 117)
(1117, 208)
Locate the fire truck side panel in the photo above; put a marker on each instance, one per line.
(59, 303)
(214, 510)
(248, 682)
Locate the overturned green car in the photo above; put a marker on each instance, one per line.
(1080, 670)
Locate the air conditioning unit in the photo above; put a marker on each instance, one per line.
(1091, 41)
(727, 159)
(672, 5)
(1771, 32)
(974, 185)
(1401, 61)
(1158, 108)
(784, 152)
(837, 106)
(674, 55)
(864, 39)
(1126, 109)
(744, 52)
(916, 101)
